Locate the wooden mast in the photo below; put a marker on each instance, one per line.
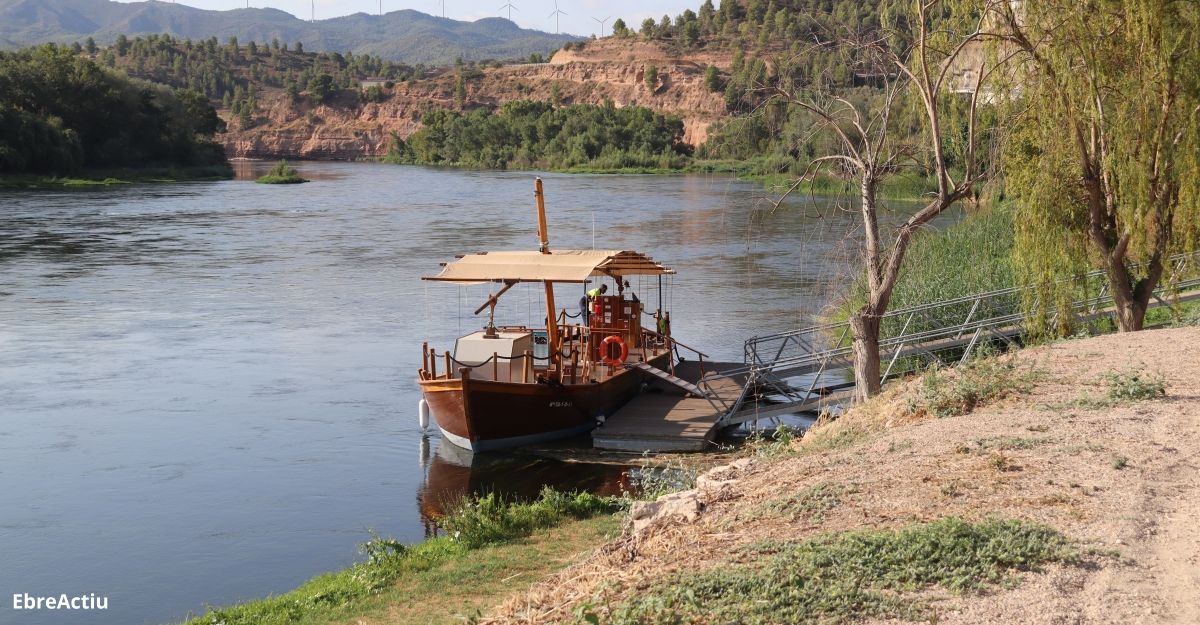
(544, 247)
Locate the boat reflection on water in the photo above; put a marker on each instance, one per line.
(452, 473)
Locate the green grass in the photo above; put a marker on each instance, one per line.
(281, 173)
(971, 256)
(850, 576)
(489, 520)
(475, 525)
(110, 177)
(269, 179)
(901, 187)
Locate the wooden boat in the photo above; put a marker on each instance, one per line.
(494, 391)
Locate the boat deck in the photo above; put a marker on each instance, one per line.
(664, 418)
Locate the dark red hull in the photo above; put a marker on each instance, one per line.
(481, 415)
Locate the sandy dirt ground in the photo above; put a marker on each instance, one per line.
(1121, 479)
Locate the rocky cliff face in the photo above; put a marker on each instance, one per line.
(608, 69)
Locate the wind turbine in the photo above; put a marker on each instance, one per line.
(601, 23)
(443, 3)
(556, 14)
(510, 8)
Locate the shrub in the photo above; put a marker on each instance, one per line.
(654, 482)
(1130, 385)
(651, 78)
(982, 380)
(489, 519)
(281, 173)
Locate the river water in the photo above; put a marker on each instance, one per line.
(207, 389)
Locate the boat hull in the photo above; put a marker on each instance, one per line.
(482, 415)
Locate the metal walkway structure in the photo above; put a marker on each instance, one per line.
(808, 369)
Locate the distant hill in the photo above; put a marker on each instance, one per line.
(408, 36)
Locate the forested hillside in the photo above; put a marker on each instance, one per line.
(713, 69)
(408, 36)
(61, 112)
(236, 74)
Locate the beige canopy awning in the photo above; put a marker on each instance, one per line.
(557, 266)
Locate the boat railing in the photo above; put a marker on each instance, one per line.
(444, 366)
(674, 346)
(576, 358)
(452, 366)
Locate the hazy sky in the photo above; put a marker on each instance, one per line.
(528, 13)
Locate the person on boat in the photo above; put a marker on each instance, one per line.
(585, 302)
(664, 324)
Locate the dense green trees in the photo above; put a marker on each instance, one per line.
(763, 24)
(536, 134)
(218, 71)
(1106, 156)
(321, 87)
(60, 111)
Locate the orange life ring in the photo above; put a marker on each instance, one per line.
(609, 340)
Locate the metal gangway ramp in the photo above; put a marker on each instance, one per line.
(809, 369)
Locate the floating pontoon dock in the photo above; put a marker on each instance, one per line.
(671, 417)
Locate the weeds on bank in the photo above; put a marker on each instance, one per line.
(490, 520)
(982, 380)
(849, 576)
(1132, 385)
(1125, 385)
(652, 482)
(1001, 443)
(821, 439)
(476, 523)
(774, 444)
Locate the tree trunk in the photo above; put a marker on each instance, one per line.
(1132, 300)
(865, 324)
(1131, 314)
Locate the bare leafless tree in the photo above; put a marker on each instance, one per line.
(920, 56)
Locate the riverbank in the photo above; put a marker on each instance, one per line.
(908, 187)
(1068, 470)
(486, 546)
(110, 177)
(1053, 482)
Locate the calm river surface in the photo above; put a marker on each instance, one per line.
(206, 389)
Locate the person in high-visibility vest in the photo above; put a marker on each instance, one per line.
(585, 302)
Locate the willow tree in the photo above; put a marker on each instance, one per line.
(919, 57)
(1106, 160)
